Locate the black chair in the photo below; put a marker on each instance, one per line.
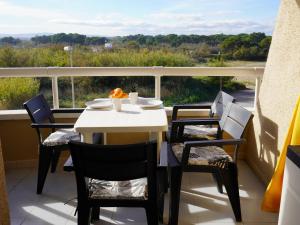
(50, 147)
(198, 132)
(209, 156)
(119, 176)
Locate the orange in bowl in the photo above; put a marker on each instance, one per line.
(118, 93)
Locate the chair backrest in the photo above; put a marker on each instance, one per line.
(220, 102)
(234, 120)
(39, 110)
(114, 163)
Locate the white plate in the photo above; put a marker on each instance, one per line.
(149, 103)
(99, 103)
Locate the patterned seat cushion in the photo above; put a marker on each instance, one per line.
(200, 132)
(132, 189)
(61, 137)
(197, 132)
(208, 155)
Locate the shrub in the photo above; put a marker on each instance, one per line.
(15, 91)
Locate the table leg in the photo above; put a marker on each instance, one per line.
(88, 138)
(156, 136)
(105, 138)
(159, 141)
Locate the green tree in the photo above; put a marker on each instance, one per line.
(10, 41)
(8, 57)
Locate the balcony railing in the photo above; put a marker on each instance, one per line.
(157, 72)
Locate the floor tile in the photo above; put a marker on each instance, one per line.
(260, 223)
(16, 220)
(129, 215)
(14, 177)
(201, 203)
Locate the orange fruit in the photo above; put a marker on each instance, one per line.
(118, 93)
(124, 95)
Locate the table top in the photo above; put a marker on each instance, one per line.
(131, 118)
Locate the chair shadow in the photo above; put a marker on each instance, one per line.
(267, 152)
(209, 209)
(58, 213)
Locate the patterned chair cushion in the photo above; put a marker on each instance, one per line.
(132, 189)
(200, 132)
(196, 132)
(61, 137)
(208, 155)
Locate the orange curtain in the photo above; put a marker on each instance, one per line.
(271, 200)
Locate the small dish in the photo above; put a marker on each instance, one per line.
(99, 104)
(149, 103)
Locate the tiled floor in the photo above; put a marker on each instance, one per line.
(200, 201)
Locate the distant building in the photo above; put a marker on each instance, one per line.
(108, 45)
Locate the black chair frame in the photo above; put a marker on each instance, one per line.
(114, 163)
(42, 117)
(225, 173)
(216, 110)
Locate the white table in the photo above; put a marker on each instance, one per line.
(131, 119)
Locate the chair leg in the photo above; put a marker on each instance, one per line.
(44, 164)
(151, 213)
(175, 186)
(95, 213)
(232, 187)
(218, 178)
(56, 155)
(84, 215)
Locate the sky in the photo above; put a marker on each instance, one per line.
(151, 17)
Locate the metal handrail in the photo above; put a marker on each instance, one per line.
(155, 71)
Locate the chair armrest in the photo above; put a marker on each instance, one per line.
(189, 144)
(68, 166)
(167, 157)
(192, 106)
(67, 110)
(188, 106)
(52, 125)
(206, 121)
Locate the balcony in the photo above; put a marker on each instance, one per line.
(276, 94)
(200, 203)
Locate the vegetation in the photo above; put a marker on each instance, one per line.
(135, 50)
(252, 46)
(9, 41)
(62, 38)
(15, 91)
(246, 47)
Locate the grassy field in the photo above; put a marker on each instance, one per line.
(238, 63)
(249, 82)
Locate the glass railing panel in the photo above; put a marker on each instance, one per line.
(15, 91)
(89, 88)
(198, 89)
